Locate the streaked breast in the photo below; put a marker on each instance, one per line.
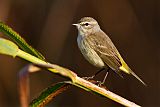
(89, 53)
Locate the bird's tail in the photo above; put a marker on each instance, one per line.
(132, 73)
(127, 70)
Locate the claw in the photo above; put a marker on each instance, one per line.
(99, 83)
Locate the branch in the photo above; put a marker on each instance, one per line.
(23, 86)
(9, 48)
(75, 80)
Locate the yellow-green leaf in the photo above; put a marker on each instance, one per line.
(19, 41)
(8, 48)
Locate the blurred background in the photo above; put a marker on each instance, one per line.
(133, 26)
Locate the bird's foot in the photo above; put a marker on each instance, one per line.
(101, 84)
(98, 83)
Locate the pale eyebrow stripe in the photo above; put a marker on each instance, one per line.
(87, 22)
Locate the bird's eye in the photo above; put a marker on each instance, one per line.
(86, 24)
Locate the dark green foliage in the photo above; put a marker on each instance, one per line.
(19, 40)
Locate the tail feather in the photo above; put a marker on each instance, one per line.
(132, 73)
(129, 71)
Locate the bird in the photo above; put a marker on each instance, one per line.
(98, 49)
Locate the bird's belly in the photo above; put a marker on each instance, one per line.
(89, 53)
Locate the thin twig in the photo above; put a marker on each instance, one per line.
(87, 85)
(24, 86)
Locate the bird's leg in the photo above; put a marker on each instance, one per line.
(98, 72)
(91, 77)
(101, 83)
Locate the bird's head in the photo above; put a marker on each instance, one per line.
(87, 25)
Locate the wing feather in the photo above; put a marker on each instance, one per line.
(104, 47)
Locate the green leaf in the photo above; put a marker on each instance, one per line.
(48, 94)
(19, 40)
(8, 48)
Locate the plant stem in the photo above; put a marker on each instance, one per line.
(103, 92)
(51, 67)
(77, 81)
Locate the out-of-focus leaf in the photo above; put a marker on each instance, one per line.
(19, 41)
(48, 94)
(8, 48)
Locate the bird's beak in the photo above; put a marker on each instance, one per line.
(75, 24)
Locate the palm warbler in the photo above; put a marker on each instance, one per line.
(98, 48)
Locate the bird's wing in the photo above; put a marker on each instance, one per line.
(104, 47)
